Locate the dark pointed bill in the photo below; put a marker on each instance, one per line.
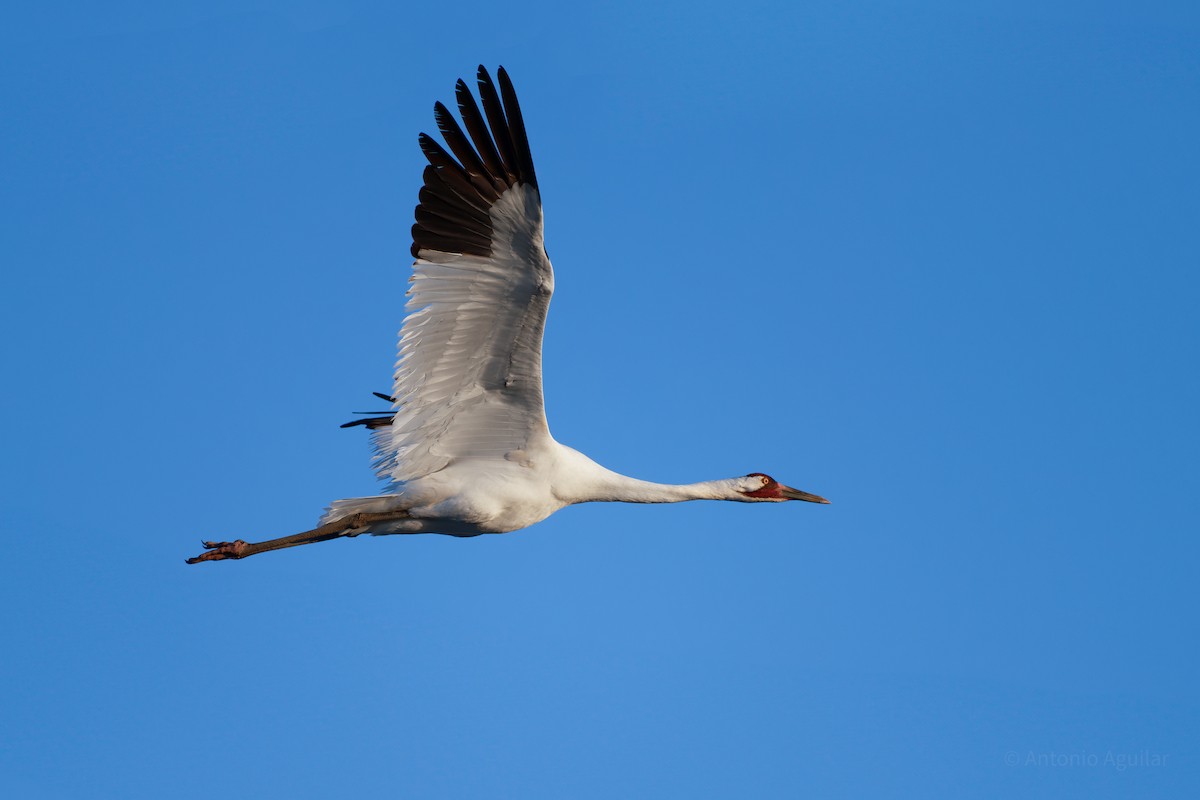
(796, 494)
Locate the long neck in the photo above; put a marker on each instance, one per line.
(603, 485)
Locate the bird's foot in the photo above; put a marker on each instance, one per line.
(220, 550)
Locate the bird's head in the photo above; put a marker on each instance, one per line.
(759, 488)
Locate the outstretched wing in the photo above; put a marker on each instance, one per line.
(469, 375)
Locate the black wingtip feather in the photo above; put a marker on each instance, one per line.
(477, 129)
(516, 124)
(498, 123)
(461, 184)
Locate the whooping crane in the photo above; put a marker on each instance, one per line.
(467, 449)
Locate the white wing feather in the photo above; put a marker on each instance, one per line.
(469, 376)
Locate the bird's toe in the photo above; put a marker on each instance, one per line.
(218, 551)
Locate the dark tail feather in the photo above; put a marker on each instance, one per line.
(370, 422)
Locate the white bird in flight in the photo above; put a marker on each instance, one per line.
(467, 449)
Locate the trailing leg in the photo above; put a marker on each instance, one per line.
(218, 551)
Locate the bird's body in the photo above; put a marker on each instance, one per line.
(467, 449)
(473, 497)
(469, 498)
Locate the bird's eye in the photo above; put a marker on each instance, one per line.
(765, 480)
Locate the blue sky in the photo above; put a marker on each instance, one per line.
(934, 261)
